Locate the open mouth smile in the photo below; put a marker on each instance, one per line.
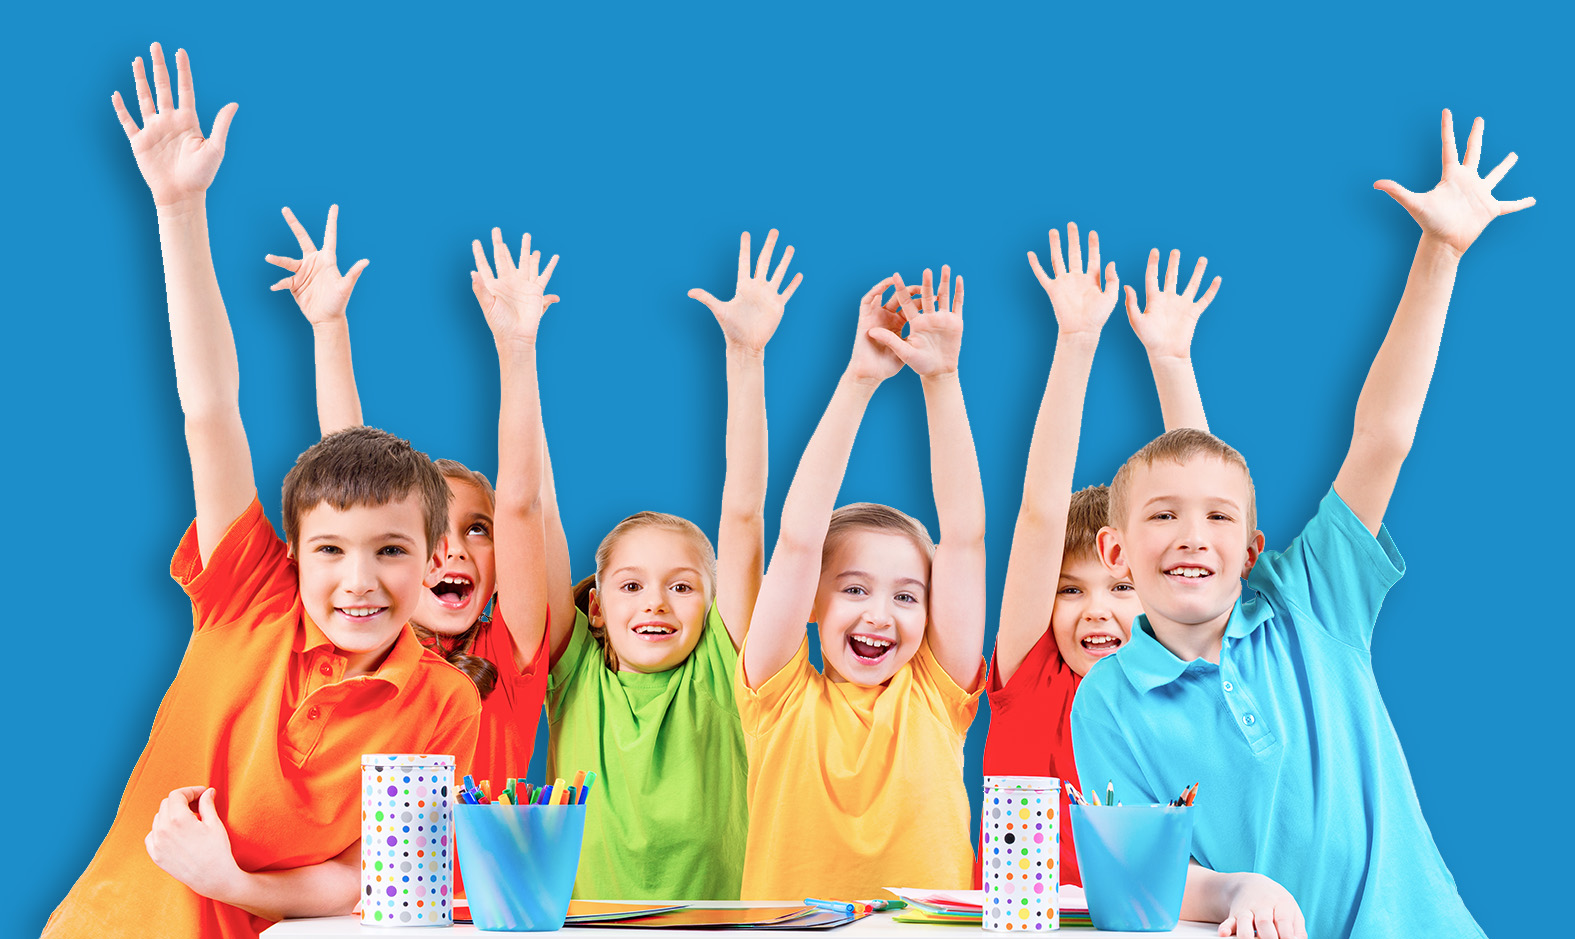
(868, 649)
(1100, 644)
(1188, 572)
(654, 631)
(359, 613)
(454, 591)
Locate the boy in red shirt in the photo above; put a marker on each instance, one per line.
(1036, 669)
(301, 659)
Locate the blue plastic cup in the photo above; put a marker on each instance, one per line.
(519, 863)
(1134, 863)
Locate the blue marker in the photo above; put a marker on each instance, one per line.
(835, 906)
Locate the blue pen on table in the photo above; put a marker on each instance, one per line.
(835, 906)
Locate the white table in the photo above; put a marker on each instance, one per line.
(877, 926)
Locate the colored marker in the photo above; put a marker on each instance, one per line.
(1110, 793)
(590, 778)
(835, 906)
(546, 794)
(579, 780)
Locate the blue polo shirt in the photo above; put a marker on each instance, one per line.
(1302, 777)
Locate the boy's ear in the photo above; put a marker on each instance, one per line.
(1110, 553)
(435, 563)
(1254, 548)
(593, 608)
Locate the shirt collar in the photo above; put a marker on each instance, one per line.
(398, 666)
(1148, 664)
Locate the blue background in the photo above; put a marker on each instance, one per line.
(637, 143)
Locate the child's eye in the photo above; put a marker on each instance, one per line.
(392, 551)
(478, 529)
(328, 549)
(630, 586)
(1163, 516)
(1123, 587)
(1219, 517)
(1070, 591)
(855, 591)
(682, 588)
(907, 598)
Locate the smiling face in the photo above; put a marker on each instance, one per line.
(651, 599)
(467, 573)
(1187, 544)
(1094, 608)
(872, 605)
(362, 572)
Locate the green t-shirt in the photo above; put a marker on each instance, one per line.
(668, 816)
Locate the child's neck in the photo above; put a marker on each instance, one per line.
(1189, 641)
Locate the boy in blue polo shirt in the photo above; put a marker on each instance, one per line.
(1270, 701)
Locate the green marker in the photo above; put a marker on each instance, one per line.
(1110, 792)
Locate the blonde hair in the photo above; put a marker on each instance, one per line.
(456, 649)
(872, 516)
(1177, 446)
(1088, 512)
(636, 522)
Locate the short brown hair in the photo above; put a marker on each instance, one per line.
(364, 466)
(1178, 446)
(872, 516)
(1086, 515)
(635, 522)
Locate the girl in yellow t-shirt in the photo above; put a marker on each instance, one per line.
(861, 765)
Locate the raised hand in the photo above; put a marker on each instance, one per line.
(515, 298)
(1166, 322)
(319, 289)
(176, 161)
(1081, 305)
(935, 326)
(1457, 209)
(872, 361)
(751, 317)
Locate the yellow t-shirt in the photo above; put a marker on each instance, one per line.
(853, 788)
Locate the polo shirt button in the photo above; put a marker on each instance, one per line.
(327, 669)
(312, 714)
(1229, 686)
(1249, 720)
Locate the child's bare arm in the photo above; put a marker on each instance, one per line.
(513, 302)
(1452, 215)
(323, 293)
(1165, 326)
(787, 592)
(560, 571)
(956, 599)
(1244, 904)
(748, 322)
(193, 846)
(1081, 308)
(178, 165)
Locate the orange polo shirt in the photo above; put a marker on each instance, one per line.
(259, 711)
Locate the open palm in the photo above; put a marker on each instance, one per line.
(315, 282)
(1462, 204)
(1168, 318)
(935, 326)
(1081, 305)
(514, 299)
(175, 159)
(751, 317)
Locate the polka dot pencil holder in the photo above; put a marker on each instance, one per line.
(519, 862)
(1134, 863)
(1020, 850)
(407, 856)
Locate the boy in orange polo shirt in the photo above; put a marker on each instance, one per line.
(301, 659)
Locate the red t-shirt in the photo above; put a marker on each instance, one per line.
(1031, 732)
(509, 714)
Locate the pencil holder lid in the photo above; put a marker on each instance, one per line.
(1027, 783)
(407, 759)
